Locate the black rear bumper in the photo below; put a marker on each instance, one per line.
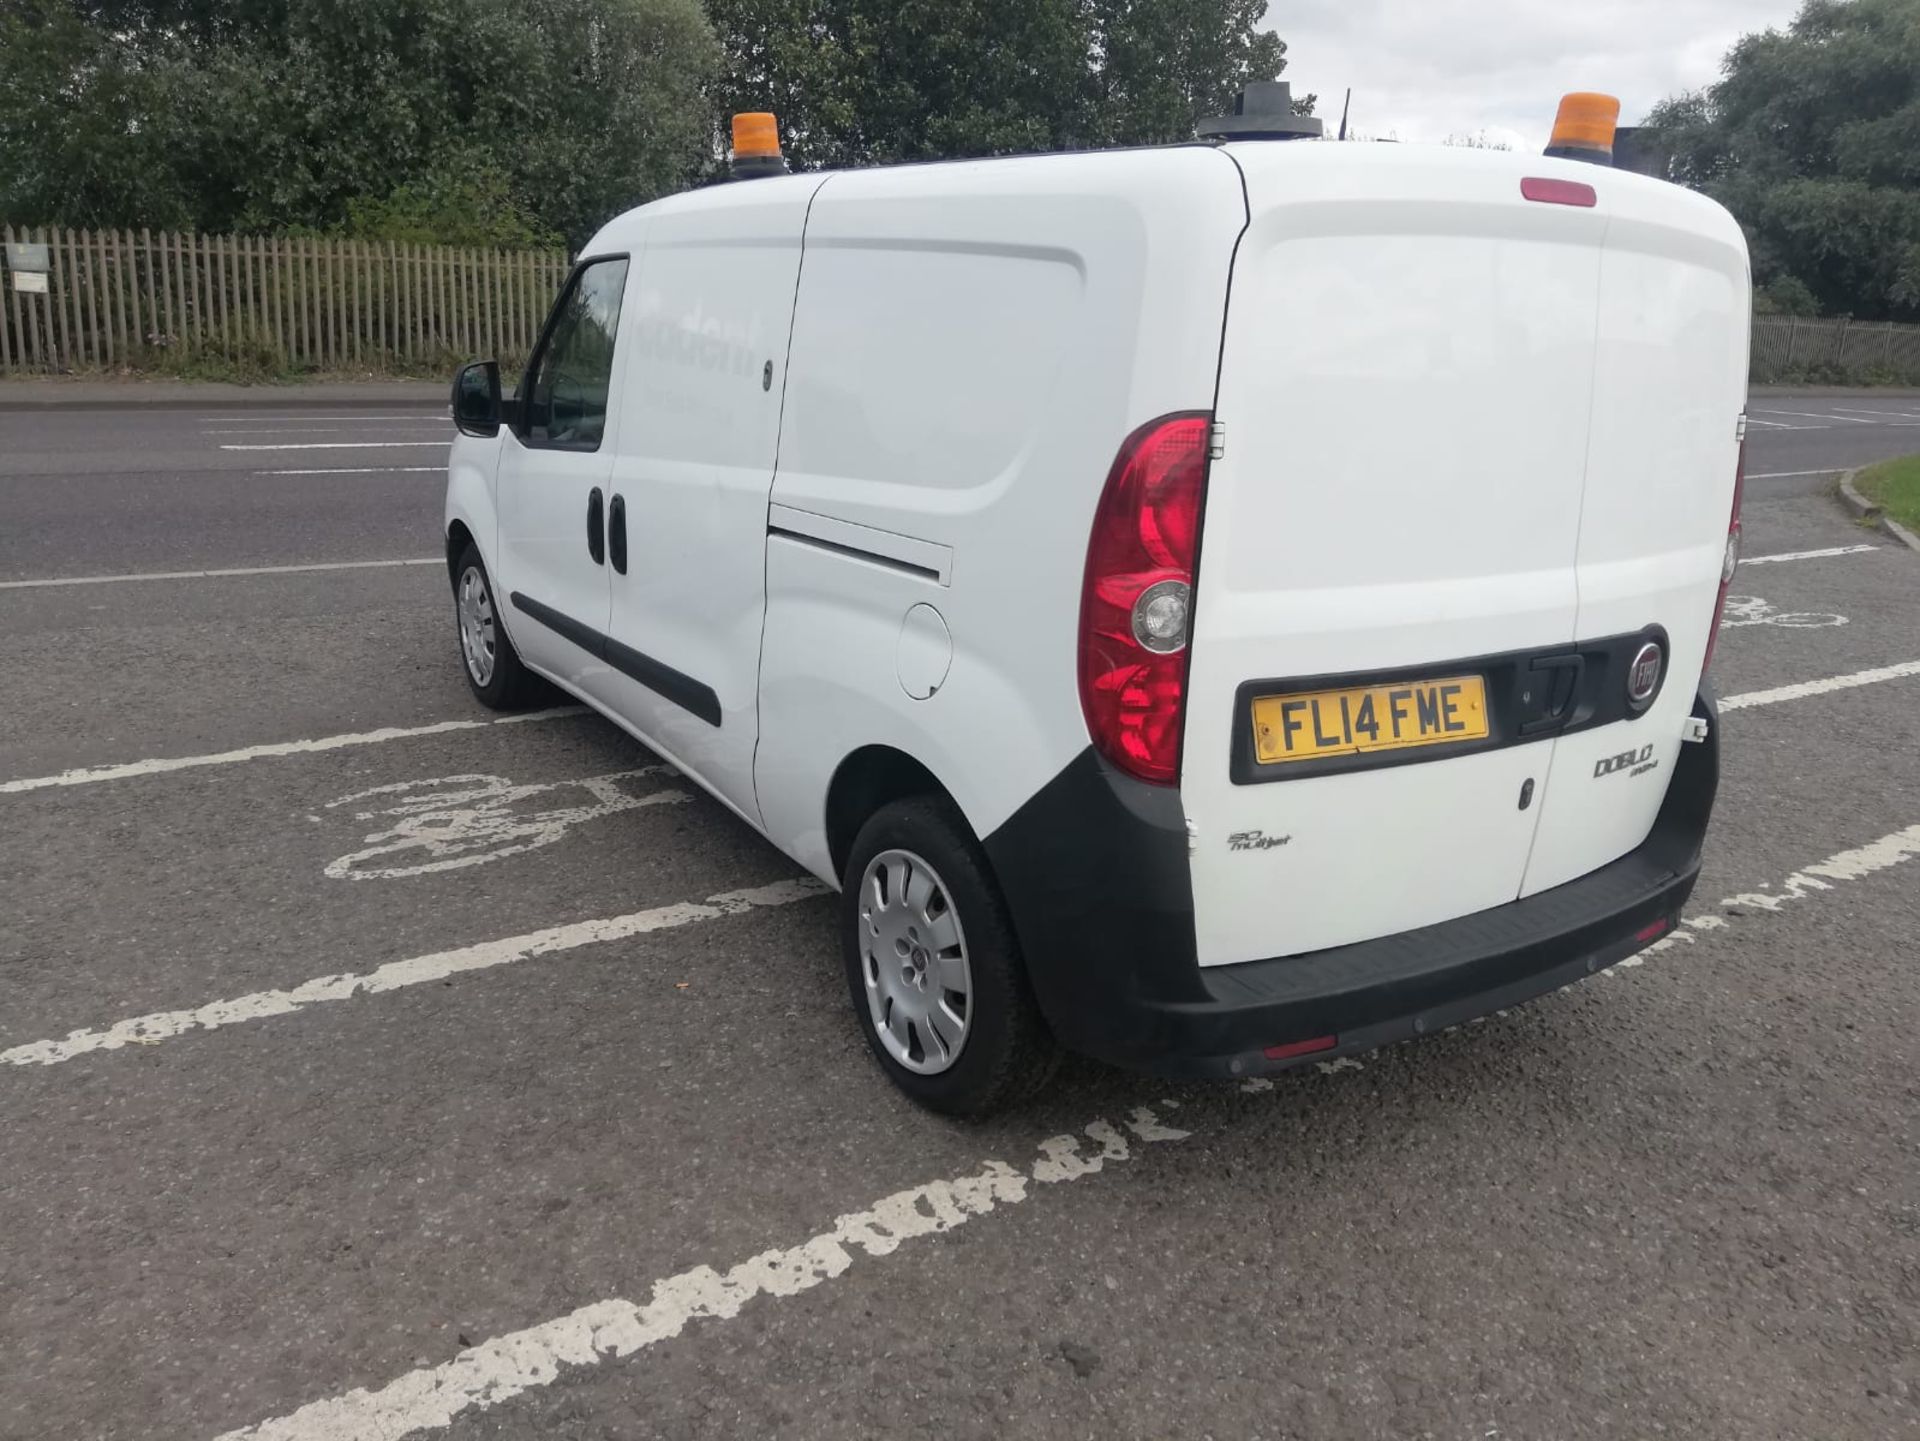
(1095, 871)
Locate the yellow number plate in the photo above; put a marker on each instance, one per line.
(1314, 725)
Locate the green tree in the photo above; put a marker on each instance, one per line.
(1812, 139)
(267, 113)
(859, 82)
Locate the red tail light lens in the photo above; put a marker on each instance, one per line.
(1134, 608)
(1731, 560)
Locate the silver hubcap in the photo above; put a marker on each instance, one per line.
(913, 956)
(475, 609)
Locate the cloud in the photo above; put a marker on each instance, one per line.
(1427, 69)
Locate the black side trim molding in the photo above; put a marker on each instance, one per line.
(855, 552)
(682, 689)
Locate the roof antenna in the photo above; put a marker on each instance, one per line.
(1344, 108)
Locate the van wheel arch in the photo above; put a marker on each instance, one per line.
(872, 777)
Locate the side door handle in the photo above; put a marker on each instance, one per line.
(617, 533)
(596, 528)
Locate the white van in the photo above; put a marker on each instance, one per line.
(1211, 607)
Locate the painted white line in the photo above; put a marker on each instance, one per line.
(1811, 415)
(345, 445)
(1804, 689)
(1806, 554)
(160, 1026)
(1889, 414)
(312, 415)
(217, 574)
(1786, 474)
(365, 470)
(313, 429)
(90, 775)
(506, 1366)
(1850, 865)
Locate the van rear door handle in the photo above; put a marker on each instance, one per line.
(596, 528)
(617, 533)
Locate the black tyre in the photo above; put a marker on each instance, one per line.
(933, 969)
(487, 656)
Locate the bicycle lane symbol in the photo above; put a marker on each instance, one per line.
(450, 822)
(1752, 610)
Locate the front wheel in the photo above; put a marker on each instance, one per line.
(492, 665)
(933, 968)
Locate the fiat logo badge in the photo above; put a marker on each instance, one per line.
(1643, 676)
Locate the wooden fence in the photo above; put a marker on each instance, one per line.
(123, 299)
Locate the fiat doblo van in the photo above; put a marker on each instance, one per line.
(1213, 608)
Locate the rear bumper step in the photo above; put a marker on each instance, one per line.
(1110, 949)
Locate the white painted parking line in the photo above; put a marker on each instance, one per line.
(1889, 414)
(345, 445)
(369, 470)
(91, 775)
(1850, 865)
(1749, 699)
(317, 429)
(151, 1030)
(1788, 474)
(506, 1366)
(1831, 550)
(1812, 415)
(311, 416)
(218, 574)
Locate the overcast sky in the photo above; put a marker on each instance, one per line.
(1427, 69)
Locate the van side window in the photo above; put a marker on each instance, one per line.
(566, 406)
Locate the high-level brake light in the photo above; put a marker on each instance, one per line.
(1137, 597)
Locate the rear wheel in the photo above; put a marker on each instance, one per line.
(933, 968)
(492, 665)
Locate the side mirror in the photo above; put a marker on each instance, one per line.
(476, 399)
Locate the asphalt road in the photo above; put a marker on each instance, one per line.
(597, 1151)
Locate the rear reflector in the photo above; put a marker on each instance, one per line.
(1652, 932)
(1559, 192)
(1300, 1048)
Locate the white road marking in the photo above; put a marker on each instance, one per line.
(1807, 554)
(1850, 865)
(1789, 474)
(1807, 688)
(344, 445)
(468, 820)
(1752, 610)
(217, 574)
(312, 415)
(377, 470)
(305, 429)
(1813, 415)
(90, 775)
(161, 1026)
(1890, 414)
(507, 1366)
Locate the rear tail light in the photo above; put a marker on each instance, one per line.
(1730, 559)
(1137, 600)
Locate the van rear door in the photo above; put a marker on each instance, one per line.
(1392, 526)
(1669, 387)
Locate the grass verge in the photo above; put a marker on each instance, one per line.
(1894, 486)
